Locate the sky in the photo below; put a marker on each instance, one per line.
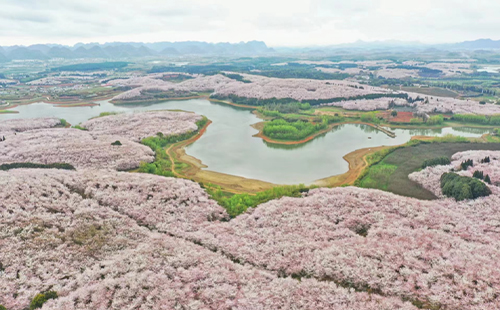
(276, 22)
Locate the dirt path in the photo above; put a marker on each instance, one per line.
(231, 103)
(357, 163)
(182, 144)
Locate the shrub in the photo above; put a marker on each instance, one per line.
(478, 119)
(270, 113)
(41, 298)
(394, 113)
(370, 117)
(80, 127)
(461, 188)
(2, 308)
(284, 130)
(436, 161)
(6, 167)
(64, 123)
(116, 143)
(435, 120)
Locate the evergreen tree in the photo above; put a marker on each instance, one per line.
(487, 179)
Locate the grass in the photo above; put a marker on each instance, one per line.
(162, 164)
(239, 203)
(103, 114)
(7, 111)
(379, 176)
(429, 91)
(391, 172)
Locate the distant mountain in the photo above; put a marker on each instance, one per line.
(136, 49)
(94, 52)
(40, 47)
(170, 51)
(24, 53)
(127, 51)
(60, 52)
(3, 58)
(204, 48)
(478, 44)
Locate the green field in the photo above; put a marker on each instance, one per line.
(429, 91)
(391, 173)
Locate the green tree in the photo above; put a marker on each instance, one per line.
(41, 298)
(465, 193)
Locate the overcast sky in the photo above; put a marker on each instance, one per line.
(277, 22)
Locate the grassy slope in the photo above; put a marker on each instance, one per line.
(391, 174)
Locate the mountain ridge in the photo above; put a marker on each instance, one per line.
(133, 49)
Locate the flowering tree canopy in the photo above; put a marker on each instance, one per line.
(76, 147)
(68, 232)
(19, 125)
(261, 87)
(137, 126)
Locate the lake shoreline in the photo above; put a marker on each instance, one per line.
(230, 183)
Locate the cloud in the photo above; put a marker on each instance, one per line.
(278, 22)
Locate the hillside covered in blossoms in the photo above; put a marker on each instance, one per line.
(103, 239)
(197, 176)
(346, 94)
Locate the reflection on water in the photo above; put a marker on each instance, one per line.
(479, 131)
(228, 145)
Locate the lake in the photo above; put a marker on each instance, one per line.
(228, 145)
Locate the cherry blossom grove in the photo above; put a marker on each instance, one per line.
(76, 147)
(143, 241)
(298, 89)
(154, 82)
(19, 125)
(136, 126)
(63, 231)
(437, 254)
(262, 87)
